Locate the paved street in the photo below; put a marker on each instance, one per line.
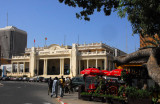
(14, 92)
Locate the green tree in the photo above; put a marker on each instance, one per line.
(143, 14)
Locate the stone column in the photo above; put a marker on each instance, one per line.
(44, 67)
(11, 67)
(105, 64)
(74, 59)
(24, 65)
(96, 63)
(18, 67)
(87, 63)
(32, 61)
(37, 67)
(70, 66)
(79, 66)
(61, 66)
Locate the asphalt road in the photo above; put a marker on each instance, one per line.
(14, 92)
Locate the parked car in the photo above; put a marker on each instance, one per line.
(14, 79)
(45, 79)
(25, 79)
(5, 79)
(20, 78)
(76, 82)
(40, 79)
(31, 79)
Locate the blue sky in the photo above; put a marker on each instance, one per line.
(51, 19)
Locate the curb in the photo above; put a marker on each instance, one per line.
(59, 100)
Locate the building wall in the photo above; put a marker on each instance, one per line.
(13, 41)
(64, 58)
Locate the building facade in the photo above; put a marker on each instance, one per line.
(13, 41)
(56, 60)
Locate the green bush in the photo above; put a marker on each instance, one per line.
(86, 93)
(96, 94)
(137, 93)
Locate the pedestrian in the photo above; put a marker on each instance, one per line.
(50, 83)
(70, 85)
(66, 85)
(61, 83)
(55, 87)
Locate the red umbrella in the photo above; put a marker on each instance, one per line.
(91, 71)
(117, 72)
(105, 72)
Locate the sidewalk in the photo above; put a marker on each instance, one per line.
(73, 99)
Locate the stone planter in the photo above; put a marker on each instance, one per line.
(139, 101)
(115, 101)
(98, 99)
(86, 97)
(109, 100)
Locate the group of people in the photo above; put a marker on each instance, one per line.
(58, 84)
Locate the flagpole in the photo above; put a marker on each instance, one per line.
(45, 41)
(34, 42)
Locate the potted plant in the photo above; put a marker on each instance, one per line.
(86, 96)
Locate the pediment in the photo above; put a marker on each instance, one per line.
(55, 47)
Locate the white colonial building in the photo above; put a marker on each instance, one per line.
(56, 60)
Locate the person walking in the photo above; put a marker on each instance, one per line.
(55, 87)
(70, 85)
(50, 83)
(62, 82)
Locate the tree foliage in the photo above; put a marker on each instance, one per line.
(143, 14)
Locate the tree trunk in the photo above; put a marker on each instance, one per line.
(152, 65)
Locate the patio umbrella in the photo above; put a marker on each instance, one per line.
(91, 71)
(116, 72)
(106, 72)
